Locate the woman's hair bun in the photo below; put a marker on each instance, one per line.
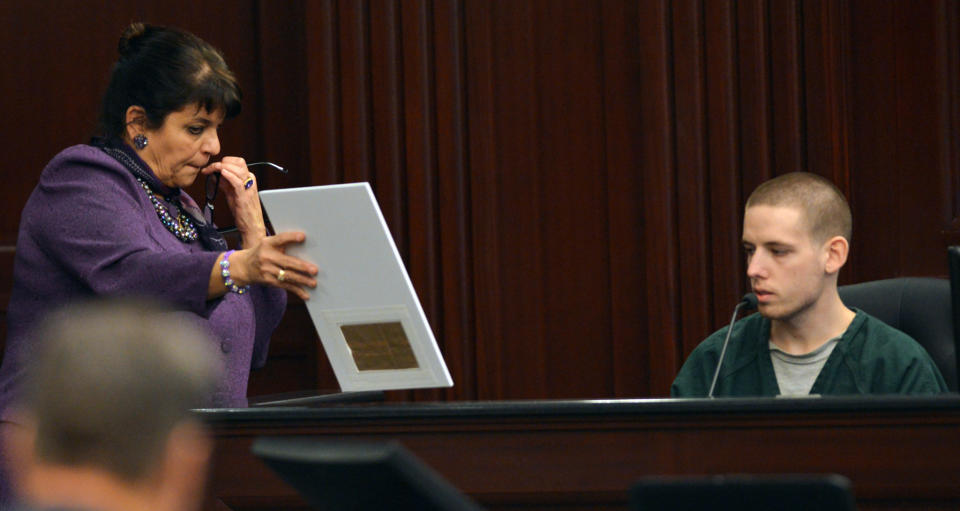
(131, 38)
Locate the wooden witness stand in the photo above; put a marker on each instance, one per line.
(898, 451)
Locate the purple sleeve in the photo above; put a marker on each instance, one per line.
(96, 225)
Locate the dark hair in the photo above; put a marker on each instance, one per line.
(164, 69)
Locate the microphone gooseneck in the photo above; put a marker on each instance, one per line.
(748, 302)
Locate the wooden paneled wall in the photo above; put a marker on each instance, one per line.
(564, 178)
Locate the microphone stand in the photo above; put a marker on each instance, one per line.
(749, 301)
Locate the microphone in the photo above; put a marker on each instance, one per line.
(748, 302)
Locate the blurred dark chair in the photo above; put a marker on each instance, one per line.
(827, 492)
(921, 307)
(359, 476)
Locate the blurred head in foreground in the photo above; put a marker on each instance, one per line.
(107, 410)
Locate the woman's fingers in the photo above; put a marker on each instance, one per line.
(287, 237)
(279, 243)
(278, 269)
(239, 186)
(295, 289)
(237, 167)
(291, 280)
(292, 274)
(291, 284)
(234, 173)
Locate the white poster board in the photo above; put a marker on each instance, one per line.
(364, 307)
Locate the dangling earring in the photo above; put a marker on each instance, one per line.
(140, 141)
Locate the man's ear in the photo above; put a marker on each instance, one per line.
(136, 121)
(836, 250)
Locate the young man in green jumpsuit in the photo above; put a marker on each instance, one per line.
(796, 232)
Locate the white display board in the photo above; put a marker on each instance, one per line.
(364, 307)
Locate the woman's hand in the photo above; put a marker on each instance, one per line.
(267, 263)
(243, 200)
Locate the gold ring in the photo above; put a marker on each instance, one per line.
(281, 275)
(248, 183)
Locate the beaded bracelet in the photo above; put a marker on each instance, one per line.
(225, 272)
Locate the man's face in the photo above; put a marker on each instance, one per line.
(786, 267)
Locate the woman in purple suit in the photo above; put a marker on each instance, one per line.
(111, 217)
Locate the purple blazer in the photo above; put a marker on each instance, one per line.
(88, 230)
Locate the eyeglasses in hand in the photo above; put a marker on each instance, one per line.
(213, 185)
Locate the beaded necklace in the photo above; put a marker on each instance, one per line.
(183, 228)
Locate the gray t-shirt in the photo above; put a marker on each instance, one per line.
(796, 373)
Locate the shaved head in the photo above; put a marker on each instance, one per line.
(824, 208)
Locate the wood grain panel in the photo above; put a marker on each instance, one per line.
(322, 65)
(285, 140)
(951, 83)
(725, 149)
(420, 150)
(296, 360)
(622, 81)
(753, 68)
(41, 129)
(386, 82)
(561, 457)
(659, 196)
(903, 145)
(873, 142)
(421, 161)
(573, 186)
(355, 122)
(454, 211)
(689, 79)
(564, 179)
(56, 70)
(519, 198)
(786, 92)
(480, 108)
(826, 26)
(923, 143)
(293, 138)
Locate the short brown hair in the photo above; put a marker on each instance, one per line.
(110, 382)
(824, 206)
